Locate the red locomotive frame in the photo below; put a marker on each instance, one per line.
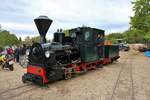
(70, 70)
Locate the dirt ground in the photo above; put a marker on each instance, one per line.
(127, 79)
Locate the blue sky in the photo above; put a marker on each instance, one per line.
(111, 15)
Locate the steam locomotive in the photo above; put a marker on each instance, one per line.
(80, 50)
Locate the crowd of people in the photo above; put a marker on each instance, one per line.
(16, 51)
(19, 52)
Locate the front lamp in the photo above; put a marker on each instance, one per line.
(47, 54)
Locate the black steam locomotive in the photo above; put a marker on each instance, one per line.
(80, 50)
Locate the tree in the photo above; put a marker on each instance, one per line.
(134, 36)
(28, 40)
(20, 40)
(147, 38)
(0, 27)
(7, 39)
(140, 22)
(141, 18)
(114, 36)
(36, 39)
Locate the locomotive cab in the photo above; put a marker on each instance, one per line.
(87, 40)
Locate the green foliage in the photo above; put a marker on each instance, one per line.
(139, 31)
(134, 36)
(130, 36)
(140, 22)
(141, 16)
(1, 48)
(114, 36)
(28, 40)
(147, 37)
(36, 39)
(7, 39)
(20, 40)
(0, 27)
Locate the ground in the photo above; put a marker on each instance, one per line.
(126, 79)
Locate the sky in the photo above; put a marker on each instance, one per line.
(17, 16)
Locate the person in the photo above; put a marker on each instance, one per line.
(24, 48)
(10, 51)
(17, 54)
(22, 54)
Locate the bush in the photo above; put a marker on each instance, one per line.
(8, 39)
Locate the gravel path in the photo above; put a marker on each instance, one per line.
(127, 79)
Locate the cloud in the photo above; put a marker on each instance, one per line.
(112, 15)
(18, 26)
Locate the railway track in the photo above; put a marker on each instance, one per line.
(17, 91)
(132, 82)
(126, 68)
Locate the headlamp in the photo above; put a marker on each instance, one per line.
(47, 54)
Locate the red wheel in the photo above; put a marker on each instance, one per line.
(68, 75)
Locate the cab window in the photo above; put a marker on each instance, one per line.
(87, 36)
(73, 35)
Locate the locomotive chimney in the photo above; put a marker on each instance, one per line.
(43, 23)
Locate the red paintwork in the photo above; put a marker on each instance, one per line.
(106, 61)
(69, 65)
(83, 66)
(78, 69)
(38, 71)
(89, 65)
